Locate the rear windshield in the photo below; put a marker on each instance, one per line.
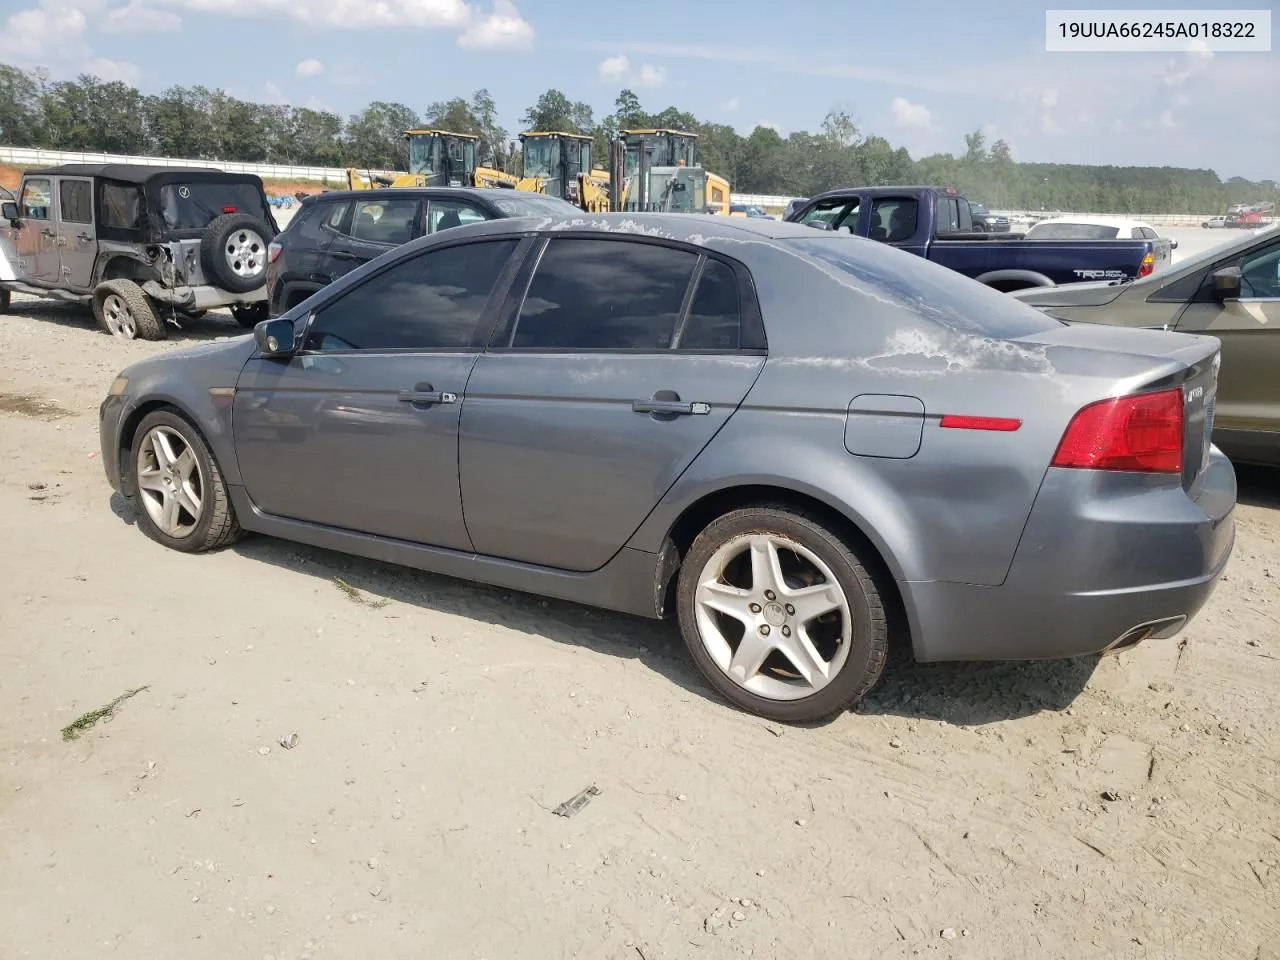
(936, 293)
(1072, 231)
(533, 206)
(192, 206)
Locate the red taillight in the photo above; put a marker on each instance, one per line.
(273, 252)
(1148, 265)
(958, 422)
(1141, 433)
(230, 209)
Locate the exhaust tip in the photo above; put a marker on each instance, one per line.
(1160, 629)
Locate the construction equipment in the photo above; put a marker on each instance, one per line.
(658, 170)
(560, 165)
(438, 158)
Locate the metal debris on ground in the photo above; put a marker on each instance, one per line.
(577, 802)
(289, 742)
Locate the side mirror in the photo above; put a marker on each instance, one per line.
(1173, 243)
(274, 338)
(1226, 283)
(9, 210)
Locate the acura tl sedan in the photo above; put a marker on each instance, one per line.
(803, 447)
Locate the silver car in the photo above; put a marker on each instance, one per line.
(804, 447)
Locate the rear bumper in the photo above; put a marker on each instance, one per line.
(1105, 560)
(202, 297)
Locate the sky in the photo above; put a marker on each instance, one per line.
(920, 74)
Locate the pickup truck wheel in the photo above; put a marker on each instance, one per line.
(251, 315)
(780, 615)
(233, 252)
(124, 311)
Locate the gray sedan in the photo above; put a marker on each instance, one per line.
(803, 447)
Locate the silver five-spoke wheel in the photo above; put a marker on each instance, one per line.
(171, 484)
(773, 616)
(118, 317)
(246, 253)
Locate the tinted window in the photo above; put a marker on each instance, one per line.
(893, 219)
(533, 205)
(76, 197)
(193, 206)
(37, 198)
(335, 215)
(948, 215)
(433, 301)
(934, 292)
(121, 206)
(1260, 273)
(385, 221)
(836, 213)
(445, 214)
(715, 317)
(604, 295)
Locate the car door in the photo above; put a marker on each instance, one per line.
(1249, 328)
(616, 363)
(359, 429)
(36, 240)
(77, 237)
(373, 227)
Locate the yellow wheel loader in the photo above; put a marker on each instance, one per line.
(559, 164)
(437, 158)
(658, 170)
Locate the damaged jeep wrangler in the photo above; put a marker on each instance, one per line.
(142, 244)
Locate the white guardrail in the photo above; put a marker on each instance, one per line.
(37, 157)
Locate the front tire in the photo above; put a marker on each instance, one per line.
(780, 615)
(178, 488)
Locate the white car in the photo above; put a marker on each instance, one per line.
(1093, 228)
(1214, 223)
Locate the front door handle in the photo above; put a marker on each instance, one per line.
(425, 393)
(687, 408)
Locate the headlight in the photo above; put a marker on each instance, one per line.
(118, 386)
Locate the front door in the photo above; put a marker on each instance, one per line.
(582, 415)
(376, 225)
(77, 241)
(359, 430)
(1249, 329)
(36, 241)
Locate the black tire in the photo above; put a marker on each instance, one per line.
(250, 315)
(869, 642)
(139, 320)
(233, 252)
(6, 298)
(217, 525)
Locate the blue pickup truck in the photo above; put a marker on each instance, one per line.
(936, 223)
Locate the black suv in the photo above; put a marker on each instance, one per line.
(333, 233)
(984, 221)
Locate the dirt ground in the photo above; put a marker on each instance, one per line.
(1122, 809)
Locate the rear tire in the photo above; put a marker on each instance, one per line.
(781, 617)
(6, 297)
(178, 487)
(125, 311)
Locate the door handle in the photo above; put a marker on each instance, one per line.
(83, 237)
(425, 393)
(345, 255)
(686, 408)
(48, 233)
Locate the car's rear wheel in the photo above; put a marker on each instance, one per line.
(178, 488)
(124, 310)
(780, 615)
(5, 300)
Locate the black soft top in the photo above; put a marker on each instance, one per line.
(143, 174)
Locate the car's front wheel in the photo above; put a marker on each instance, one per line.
(780, 615)
(177, 486)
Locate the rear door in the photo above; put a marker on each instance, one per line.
(613, 367)
(77, 239)
(373, 227)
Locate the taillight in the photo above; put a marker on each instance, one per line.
(1147, 266)
(273, 252)
(1141, 433)
(230, 209)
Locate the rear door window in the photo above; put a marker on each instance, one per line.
(589, 294)
(444, 214)
(390, 222)
(75, 201)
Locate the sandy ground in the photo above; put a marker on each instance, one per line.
(1122, 809)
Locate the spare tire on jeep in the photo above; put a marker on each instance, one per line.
(233, 252)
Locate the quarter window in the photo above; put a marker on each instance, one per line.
(77, 201)
(715, 316)
(385, 221)
(121, 206)
(335, 215)
(37, 198)
(430, 302)
(604, 295)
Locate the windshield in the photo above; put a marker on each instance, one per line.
(541, 157)
(192, 206)
(532, 205)
(424, 155)
(1072, 231)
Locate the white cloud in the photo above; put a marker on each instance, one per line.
(618, 70)
(731, 104)
(339, 13)
(53, 35)
(910, 115)
(137, 17)
(309, 68)
(503, 29)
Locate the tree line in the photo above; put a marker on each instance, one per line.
(201, 124)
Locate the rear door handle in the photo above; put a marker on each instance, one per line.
(686, 408)
(425, 393)
(83, 237)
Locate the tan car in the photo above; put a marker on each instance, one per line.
(1232, 292)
